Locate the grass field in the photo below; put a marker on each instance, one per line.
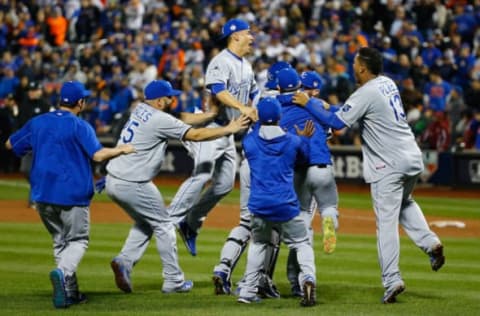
(348, 281)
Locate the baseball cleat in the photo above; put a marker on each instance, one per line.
(189, 237)
(80, 298)
(390, 295)
(297, 291)
(249, 300)
(186, 286)
(437, 259)
(122, 275)
(329, 235)
(221, 283)
(309, 295)
(74, 296)
(59, 293)
(268, 290)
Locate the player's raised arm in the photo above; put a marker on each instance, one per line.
(316, 108)
(199, 134)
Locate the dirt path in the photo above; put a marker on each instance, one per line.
(226, 216)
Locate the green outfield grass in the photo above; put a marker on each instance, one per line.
(438, 206)
(348, 281)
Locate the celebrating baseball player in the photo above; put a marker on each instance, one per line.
(308, 173)
(63, 146)
(392, 163)
(231, 83)
(129, 183)
(273, 201)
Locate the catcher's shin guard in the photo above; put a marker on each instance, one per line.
(271, 254)
(233, 248)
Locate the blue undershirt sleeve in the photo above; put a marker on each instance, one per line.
(334, 108)
(315, 107)
(217, 88)
(253, 95)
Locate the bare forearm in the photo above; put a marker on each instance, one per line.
(205, 133)
(228, 99)
(196, 118)
(108, 153)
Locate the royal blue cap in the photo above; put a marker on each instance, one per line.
(232, 26)
(269, 110)
(288, 79)
(272, 73)
(159, 88)
(311, 80)
(72, 91)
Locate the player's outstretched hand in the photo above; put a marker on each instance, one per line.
(250, 112)
(300, 98)
(307, 130)
(126, 148)
(242, 122)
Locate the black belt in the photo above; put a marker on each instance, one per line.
(320, 165)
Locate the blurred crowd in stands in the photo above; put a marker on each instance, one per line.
(431, 48)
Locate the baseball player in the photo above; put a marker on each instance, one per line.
(320, 182)
(313, 176)
(392, 163)
(129, 183)
(266, 288)
(213, 161)
(63, 146)
(273, 202)
(231, 83)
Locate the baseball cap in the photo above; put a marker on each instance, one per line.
(232, 26)
(33, 85)
(72, 91)
(288, 79)
(269, 110)
(159, 88)
(272, 73)
(311, 80)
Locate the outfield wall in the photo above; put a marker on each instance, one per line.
(460, 169)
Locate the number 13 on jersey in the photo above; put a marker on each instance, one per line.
(397, 107)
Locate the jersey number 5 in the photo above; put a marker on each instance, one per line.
(128, 131)
(397, 107)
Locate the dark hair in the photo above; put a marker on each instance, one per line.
(372, 59)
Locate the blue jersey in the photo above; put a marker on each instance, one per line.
(62, 145)
(272, 162)
(292, 115)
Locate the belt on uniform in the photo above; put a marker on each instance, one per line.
(320, 165)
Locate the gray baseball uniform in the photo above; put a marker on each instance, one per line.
(215, 159)
(392, 163)
(129, 184)
(236, 74)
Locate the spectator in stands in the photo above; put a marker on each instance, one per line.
(472, 131)
(57, 26)
(134, 12)
(8, 83)
(8, 113)
(87, 27)
(464, 63)
(437, 92)
(438, 133)
(173, 60)
(430, 53)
